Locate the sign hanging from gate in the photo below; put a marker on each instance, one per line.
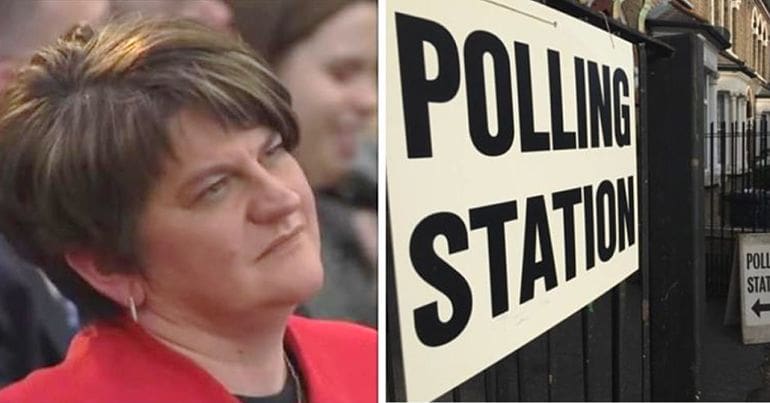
(511, 177)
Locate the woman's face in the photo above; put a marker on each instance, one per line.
(332, 76)
(229, 228)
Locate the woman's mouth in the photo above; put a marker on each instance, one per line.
(283, 242)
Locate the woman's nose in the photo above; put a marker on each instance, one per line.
(272, 197)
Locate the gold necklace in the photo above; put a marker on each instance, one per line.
(295, 377)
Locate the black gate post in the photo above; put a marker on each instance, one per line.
(677, 287)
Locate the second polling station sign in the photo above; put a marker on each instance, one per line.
(511, 177)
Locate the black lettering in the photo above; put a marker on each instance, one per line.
(580, 92)
(566, 200)
(477, 44)
(536, 232)
(622, 111)
(626, 210)
(588, 213)
(561, 140)
(599, 104)
(530, 139)
(751, 284)
(749, 260)
(431, 330)
(416, 90)
(605, 201)
(493, 218)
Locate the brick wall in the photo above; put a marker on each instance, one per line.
(741, 30)
(702, 9)
(629, 8)
(742, 38)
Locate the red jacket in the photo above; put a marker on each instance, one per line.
(108, 363)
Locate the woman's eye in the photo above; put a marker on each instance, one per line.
(215, 190)
(276, 145)
(343, 72)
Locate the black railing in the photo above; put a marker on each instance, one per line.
(737, 193)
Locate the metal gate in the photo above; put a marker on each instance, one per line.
(639, 341)
(737, 193)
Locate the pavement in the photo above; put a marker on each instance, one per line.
(730, 370)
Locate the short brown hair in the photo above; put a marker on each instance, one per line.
(84, 133)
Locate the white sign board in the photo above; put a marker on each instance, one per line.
(511, 177)
(754, 268)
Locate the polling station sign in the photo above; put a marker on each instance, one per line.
(754, 268)
(511, 177)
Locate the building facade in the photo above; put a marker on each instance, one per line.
(735, 38)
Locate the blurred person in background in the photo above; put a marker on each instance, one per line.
(212, 13)
(325, 52)
(36, 321)
(26, 25)
(166, 204)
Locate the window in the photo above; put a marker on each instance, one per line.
(721, 107)
(733, 30)
(722, 122)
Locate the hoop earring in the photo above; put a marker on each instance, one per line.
(132, 309)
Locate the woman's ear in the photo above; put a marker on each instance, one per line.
(116, 286)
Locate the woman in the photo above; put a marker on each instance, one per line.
(325, 52)
(147, 169)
